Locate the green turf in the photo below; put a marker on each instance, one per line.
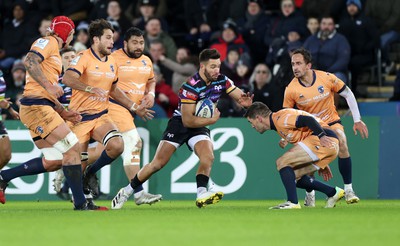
(371, 222)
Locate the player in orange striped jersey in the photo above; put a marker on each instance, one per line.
(93, 77)
(314, 147)
(313, 91)
(44, 116)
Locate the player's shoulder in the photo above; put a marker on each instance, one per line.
(320, 73)
(194, 81)
(45, 42)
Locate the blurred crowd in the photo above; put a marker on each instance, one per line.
(254, 37)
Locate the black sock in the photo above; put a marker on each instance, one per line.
(345, 169)
(202, 180)
(103, 160)
(31, 167)
(289, 181)
(135, 183)
(306, 182)
(73, 175)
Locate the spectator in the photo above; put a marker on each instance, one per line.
(165, 96)
(117, 37)
(16, 36)
(264, 90)
(243, 72)
(228, 66)
(157, 51)
(230, 38)
(114, 13)
(386, 15)
(317, 8)
(185, 66)
(230, 108)
(154, 32)
(82, 37)
(147, 9)
(99, 10)
(18, 73)
(253, 27)
(396, 91)
(363, 36)
(330, 50)
(44, 25)
(294, 38)
(313, 25)
(286, 19)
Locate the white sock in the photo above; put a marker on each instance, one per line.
(348, 187)
(312, 193)
(128, 189)
(201, 190)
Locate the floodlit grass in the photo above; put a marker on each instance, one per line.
(371, 222)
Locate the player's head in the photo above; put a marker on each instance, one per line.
(67, 55)
(210, 64)
(301, 62)
(64, 27)
(258, 116)
(134, 42)
(101, 36)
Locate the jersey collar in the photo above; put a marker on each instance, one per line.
(314, 77)
(97, 57)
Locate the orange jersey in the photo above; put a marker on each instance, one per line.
(133, 74)
(95, 73)
(47, 49)
(284, 121)
(317, 99)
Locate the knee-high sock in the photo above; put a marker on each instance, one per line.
(31, 167)
(345, 169)
(73, 175)
(289, 181)
(306, 182)
(103, 160)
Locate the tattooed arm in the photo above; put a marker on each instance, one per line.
(32, 65)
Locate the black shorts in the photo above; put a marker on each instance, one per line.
(177, 133)
(2, 129)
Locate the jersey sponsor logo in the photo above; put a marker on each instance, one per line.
(170, 135)
(112, 67)
(39, 130)
(41, 43)
(218, 87)
(75, 60)
(138, 85)
(321, 89)
(144, 62)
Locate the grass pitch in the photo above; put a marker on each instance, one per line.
(371, 222)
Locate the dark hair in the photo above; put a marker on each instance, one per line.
(208, 54)
(305, 53)
(257, 108)
(67, 49)
(326, 16)
(97, 27)
(133, 31)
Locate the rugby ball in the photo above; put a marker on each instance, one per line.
(205, 108)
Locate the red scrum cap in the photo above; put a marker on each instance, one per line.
(62, 25)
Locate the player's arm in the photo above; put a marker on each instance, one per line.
(359, 125)
(191, 121)
(148, 99)
(71, 79)
(244, 99)
(32, 64)
(313, 125)
(121, 97)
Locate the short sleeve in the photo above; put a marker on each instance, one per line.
(79, 64)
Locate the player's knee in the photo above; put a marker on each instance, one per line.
(280, 163)
(207, 159)
(52, 165)
(115, 147)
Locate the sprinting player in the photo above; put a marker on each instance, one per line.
(45, 116)
(313, 91)
(93, 77)
(314, 148)
(5, 144)
(185, 127)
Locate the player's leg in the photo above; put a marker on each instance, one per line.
(345, 165)
(5, 146)
(131, 154)
(163, 154)
(294, 157)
